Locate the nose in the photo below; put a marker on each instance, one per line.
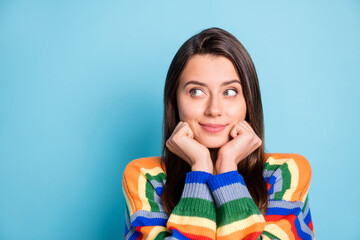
(214, 107)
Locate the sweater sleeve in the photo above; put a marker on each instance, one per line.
(288, 215)
(192, 218)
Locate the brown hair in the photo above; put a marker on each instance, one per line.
(218, 42)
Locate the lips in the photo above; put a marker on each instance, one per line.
(213, 128)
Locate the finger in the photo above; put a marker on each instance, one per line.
(187, 130)
(233, 132)
(237, 130)
(256, 137)
(182, 129)
(245, 126)
(248, 126)
(256, 140)
(178, 127)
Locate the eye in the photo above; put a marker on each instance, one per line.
(196, 92)
(230, 92)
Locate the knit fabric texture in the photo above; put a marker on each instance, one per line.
(219, 206)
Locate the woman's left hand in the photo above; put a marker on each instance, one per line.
(244, 142)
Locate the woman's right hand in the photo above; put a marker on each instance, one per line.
(183, 144)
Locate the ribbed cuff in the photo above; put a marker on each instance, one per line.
(196, 199)
(224, 179)
(228, 188)
(197, 177)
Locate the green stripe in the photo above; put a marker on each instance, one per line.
(271, 167)
(306, 200)
(127, 209)
(236, 210)
(149, 192)
(196, 207)
(159, 177)
(286, 178)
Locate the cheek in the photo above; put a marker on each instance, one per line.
(238, 112)
(187, 113)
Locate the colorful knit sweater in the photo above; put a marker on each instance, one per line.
(219, 206)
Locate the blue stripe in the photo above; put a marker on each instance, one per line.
(302, 235)
(307, 219)
(126, 230)
(143, 221)
(197, 177)
(178, 235)
(159, 190)
(134, 236)
(224, 179)
(283, 211)
(271, 180)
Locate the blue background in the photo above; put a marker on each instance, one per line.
(81, 86)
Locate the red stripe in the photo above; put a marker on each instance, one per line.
(311, 225)
(194, 236)
(290, 218)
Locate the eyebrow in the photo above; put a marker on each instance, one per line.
(205, 85)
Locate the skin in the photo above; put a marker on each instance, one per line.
(210, 92)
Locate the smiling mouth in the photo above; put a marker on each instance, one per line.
(213, 128)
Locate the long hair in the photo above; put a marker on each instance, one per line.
(218, 42)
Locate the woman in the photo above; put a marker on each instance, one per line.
(213, 180)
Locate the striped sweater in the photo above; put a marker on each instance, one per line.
(219, 206)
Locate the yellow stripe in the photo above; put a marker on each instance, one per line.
(239, 225)
(276, 231)
(294, 172)
(127, 200)
(305, 195)
(273, 161)
(142, 193)
(142, 185)
(263, 237)
(197, 221)
(155, 231)
(128, 204)
(153, 172)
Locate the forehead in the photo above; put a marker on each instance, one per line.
(210, 69)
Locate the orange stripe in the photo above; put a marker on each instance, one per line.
(131, 195)
(304, 176)
(285, 225)
(149, 162)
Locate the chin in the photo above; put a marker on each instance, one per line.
(216, 143)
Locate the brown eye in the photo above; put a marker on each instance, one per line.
(230, 92)
(196, 92)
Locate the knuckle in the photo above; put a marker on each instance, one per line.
(175, 138)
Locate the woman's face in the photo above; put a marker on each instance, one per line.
(210, 98)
